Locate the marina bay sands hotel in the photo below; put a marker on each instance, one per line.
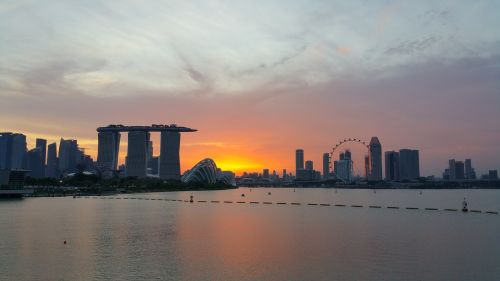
(139, 147)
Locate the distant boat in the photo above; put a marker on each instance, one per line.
(243, 195)
(269, 193)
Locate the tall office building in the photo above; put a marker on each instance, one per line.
(170, 164)
(18, 152)
(42, 145)
(68, 156)
(451, 169)
(375, 149)
(284, 174)
(137, 154)
(299, 159)
(391, 165)
(459, 170)
(35, 163)
(309, 165)
(5, 150)
(52, 169)
(409, 164)
(469, 172)
(326, 165)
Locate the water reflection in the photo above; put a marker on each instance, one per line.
(146, 239)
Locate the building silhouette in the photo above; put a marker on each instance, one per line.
(68, 156)
(375, 159)
(459, 170)
(265, 173)
(5, 150)
(391, 165)
(136, 164)
(299, 159)
(170, 167)
(52, 169)
(342, 168)
(35, 163)
(42, 145)
(107, 152)
(326, 165)
(142, 149)
(409, 164)
(309, 165)
(451, 170)
(18, 153)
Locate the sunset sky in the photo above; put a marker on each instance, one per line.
(258, 79)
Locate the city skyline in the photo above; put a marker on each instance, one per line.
(419, 75)
(383, 164)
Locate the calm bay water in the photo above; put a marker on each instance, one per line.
(120, 239)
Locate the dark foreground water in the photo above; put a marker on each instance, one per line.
(130, 239)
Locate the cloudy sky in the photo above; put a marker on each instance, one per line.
(259, 78)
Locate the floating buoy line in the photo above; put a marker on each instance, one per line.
(357, 206)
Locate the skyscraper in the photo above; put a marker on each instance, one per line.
(68, 156)
(299, 159)
(343, 167)
(137, 154)
(309, 165)
(468, 169)
(170, 164)
(5, 150)
(452, 169)
(391, 165)
(42, 145)
(326, 165)
(375, 155)
(35, 163)
(52, 169)
(409, 166)
(18, 152)
(107, 151)
(459, 170)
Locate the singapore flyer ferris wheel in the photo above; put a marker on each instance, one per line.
(364, 146)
